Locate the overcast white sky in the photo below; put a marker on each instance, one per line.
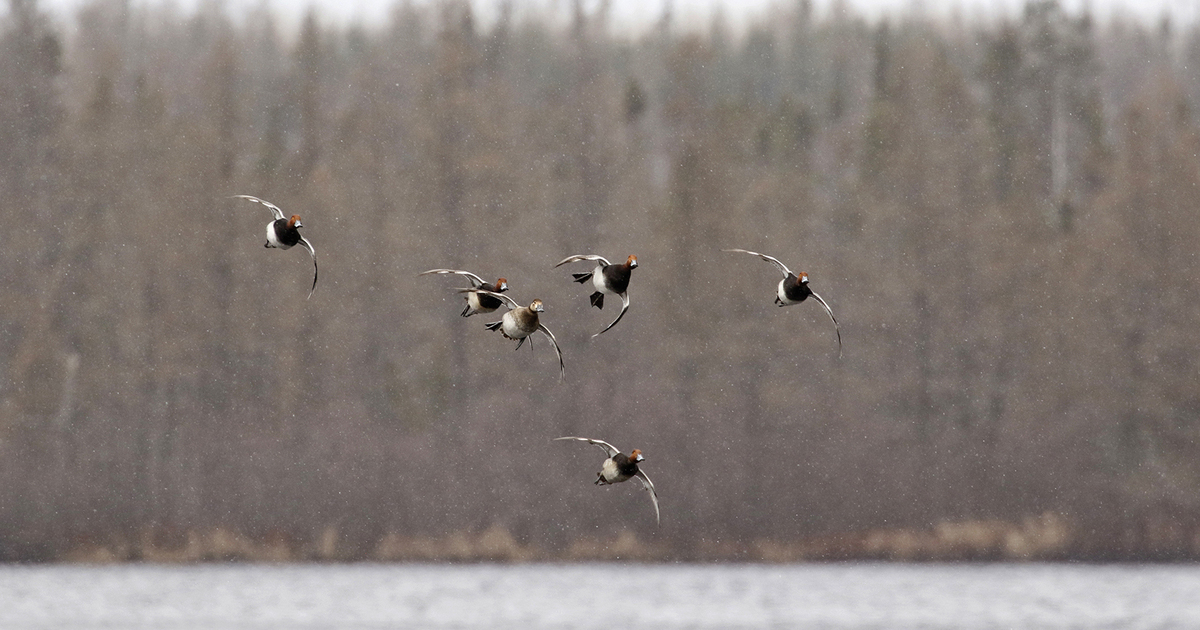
(638, 12)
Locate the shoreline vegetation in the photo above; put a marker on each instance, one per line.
(1045, 538)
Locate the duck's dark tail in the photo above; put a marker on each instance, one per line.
(582, 277)
(493, 325)
(598, 300)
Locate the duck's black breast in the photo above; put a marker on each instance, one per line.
(795, 290)
(617, 277)
(487, 301)
(288, 235)
(627, 467)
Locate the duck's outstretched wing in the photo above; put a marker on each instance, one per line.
(641, 475)
(476, 281)
(509, 302)
(770, 259)
(270, 206)
(836, 328)
(312, 252)
(608, 449)
(562, 368)
(624, 307)
(602, 260)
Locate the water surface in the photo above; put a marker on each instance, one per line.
(599, 596)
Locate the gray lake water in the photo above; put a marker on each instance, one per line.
(600, 596)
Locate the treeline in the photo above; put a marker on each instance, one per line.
(1003, 215)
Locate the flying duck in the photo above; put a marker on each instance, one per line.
(620, 467)
(606, 278)
(284, 233)
(793, 289)
(520, 322)
(476, 303)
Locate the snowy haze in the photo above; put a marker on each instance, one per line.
(1001, 215)
(636, 14)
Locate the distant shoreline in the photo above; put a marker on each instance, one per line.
(1045, 538)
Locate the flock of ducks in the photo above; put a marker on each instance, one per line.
(521, 322)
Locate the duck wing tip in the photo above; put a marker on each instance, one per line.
(476, 281)
(624, 308)
(649, 487)
(609, 449)
(275, 211)
(771, 259)
(578, 257)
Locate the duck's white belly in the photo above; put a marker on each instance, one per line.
(273, 239)
(598, 279)
(473, 302)
(783, 296)
(610, 472)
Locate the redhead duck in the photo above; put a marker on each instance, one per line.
(476, 303)
(793, 289)
(284, 233)
(606, 278)
(520, 322)
(620, 467)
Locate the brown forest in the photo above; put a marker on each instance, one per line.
(1002, 214)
